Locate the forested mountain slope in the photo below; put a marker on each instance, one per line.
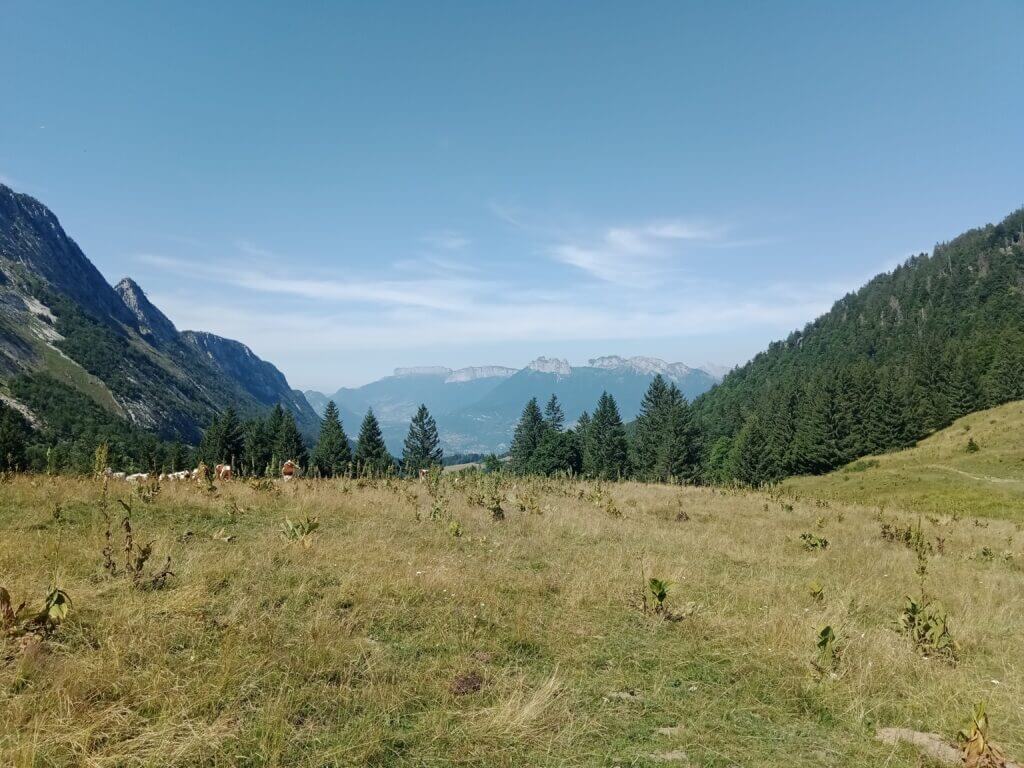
(937, 338)
(65, 332)
(973, 467)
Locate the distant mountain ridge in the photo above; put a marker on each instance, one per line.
(476, 408)
(59, 318)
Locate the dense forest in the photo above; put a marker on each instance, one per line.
(914, 349)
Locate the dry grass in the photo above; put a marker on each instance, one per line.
(262, 652)
(939, 474)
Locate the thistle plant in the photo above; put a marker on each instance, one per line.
(300, 531)
(927, 625)
(659, 592)
(828, 653)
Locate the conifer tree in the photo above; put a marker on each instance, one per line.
(223, 442)
(584, 444)
(963, 396)
(751, 460)
(422, 448)
(608, 440)
(649, 445)
(1004, 379)
(14, 434)
(887, 416)
(778, 413)
(529, 431)
(554, 416)
(372, 457)
(258, 447)
(817, 442)
(666, 442)
(177, 457)
(289, 443)
(332, 456)
(273, 430)
(680, 457)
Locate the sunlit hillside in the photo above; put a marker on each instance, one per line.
(946, 472)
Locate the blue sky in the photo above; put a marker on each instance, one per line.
(352, 187)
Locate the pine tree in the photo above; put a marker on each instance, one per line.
(750, 459)
(223, 441)
(819, 433)
(651, 436)
(554, 416)
(887, 416)
(275, 422)
(666, 442)
(332, 456)
(527, 437)
(259, 447)
(779, 427)
(422, 448)
(680, 456)
(1004, 379)
(289, 444)
(177, 457)
(584, 444)
(557, 453)
(963, 396)
(14, 434)
(608, 440)
(372, 457)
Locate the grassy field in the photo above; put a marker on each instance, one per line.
(940, 474)
(413, 629)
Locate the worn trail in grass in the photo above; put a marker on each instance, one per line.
(945, 473)
(386, 637)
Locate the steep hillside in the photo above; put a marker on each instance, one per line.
(260, 379)
(60, 321)
(973, 467)
(939, 337)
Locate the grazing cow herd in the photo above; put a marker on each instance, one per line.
(289, 470)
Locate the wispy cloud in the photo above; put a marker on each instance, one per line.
(447, 240)
(634, 255)
(433, 293)
(643, 287)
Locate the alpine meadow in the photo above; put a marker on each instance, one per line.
(512, 385)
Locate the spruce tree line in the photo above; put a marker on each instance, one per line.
(666, 445)
(939, 337)
(261, 446)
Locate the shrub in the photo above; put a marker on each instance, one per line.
(927, 625)
(810, 542)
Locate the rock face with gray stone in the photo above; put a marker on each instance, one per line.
(61, 322)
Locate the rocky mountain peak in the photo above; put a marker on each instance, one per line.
(153, 324)
(648, 366)
(32, 239)
(423, 370)
(551, 365)
(479, 372)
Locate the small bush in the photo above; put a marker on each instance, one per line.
(811, 542)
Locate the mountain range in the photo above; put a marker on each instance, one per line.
(477, 408)
(63, 327)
